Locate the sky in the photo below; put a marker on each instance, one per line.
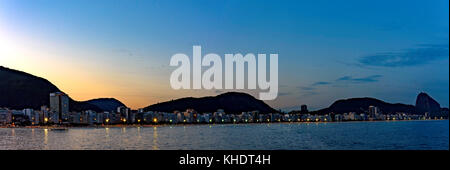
(328, 50)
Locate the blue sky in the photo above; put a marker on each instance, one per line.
(328, 50)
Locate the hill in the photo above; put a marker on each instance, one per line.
(424, 103)
(19, 90)
(362, 104)
(106, 104)
(231, 102)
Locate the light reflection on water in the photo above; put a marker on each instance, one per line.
(45, 138)
(284, 136)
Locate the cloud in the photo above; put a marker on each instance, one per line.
(311, 89)
(321, 83)
(368, 79)
(345, 78)
(421, 55)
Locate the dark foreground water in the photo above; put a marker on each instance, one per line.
(393, 135)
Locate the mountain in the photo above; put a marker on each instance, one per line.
(231, 102)
(362, 104)
(424, 103)
(19, 90)
(106, 104)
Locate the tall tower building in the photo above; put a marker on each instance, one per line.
(59, 104)
(304, 109)
(373, 111)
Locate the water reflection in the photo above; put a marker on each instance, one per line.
(32, 134)
(45, 138)
(414, 135)
(155, 138)
(107, 132)
(139, 133)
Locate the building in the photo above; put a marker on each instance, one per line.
(44, 115)
(91, 117)
(125, 114)
(304, 109)
(5, 117)
(373, 111)
(35, 120)
(28, 112)
(53, 118)
(59, 103)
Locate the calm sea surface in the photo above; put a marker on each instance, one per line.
(393, 135)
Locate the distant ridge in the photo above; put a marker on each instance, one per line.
(362, 104)
(19, 90)
(231, 102)
(424, 104)
(106, 104)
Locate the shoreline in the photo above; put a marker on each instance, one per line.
(194, 124)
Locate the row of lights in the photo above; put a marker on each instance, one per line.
(155, 120)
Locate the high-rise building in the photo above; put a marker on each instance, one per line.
(303, 109)
(59, 104)
(373, 111)
(125, 113)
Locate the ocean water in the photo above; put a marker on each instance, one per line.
(390, 135)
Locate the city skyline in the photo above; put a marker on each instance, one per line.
(341, 50)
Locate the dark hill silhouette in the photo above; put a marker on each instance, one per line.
(362, 104)
(19, 90)
(424, 103)
(231, 102)
(106, 104)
